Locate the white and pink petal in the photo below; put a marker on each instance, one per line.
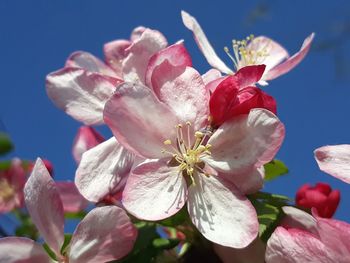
(22, 250)
(191, 23)
(221, 212)
(155, 191)
(245, 142)
(102, 169)
(45, 206)
(176, 55)
(89, 62)
(335, 160)
(294, 246)
(140, 51)
(105, 234)
(183, 90)
(291, 62)
(81, 94)
(139, 121)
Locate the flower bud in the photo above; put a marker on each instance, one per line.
(321, 197)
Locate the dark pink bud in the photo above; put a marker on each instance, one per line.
(321, 197)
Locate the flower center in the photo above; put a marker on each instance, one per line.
(245, 54)
(187, 155)
(7, 192)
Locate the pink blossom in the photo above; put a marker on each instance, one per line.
(251, 51)
(86, 138)
(184, 160)
(321, 197)
(12, 181)
(309, 238)
(105, 234)
(335, 160)
(83, 86)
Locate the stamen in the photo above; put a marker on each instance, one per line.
(244, 55)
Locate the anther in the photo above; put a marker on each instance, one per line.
(199, 134)
(167, 142)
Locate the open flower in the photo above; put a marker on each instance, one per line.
(250, 51)
(187, 161)
(103, 170)
(12, 181)
(83, 86)
(335, 160)
(309, 239)
(105, 234)
(321, 197)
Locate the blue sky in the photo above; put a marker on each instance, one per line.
(313, 100)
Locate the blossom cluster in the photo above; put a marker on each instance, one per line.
(184, 144)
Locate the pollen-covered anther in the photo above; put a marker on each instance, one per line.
(199, 134)
(167, 142)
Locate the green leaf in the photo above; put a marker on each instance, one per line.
(164, 243)
(5, 143)
(274, 169)
(269, 209)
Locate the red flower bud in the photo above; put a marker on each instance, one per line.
(321, 197)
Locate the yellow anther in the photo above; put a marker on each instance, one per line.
(188, 123)
(167, 142)
(199, 134)
(208, 146)
(179, 126)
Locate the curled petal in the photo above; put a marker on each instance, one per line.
(139, 121)
(294, 246)
(86, 138)
(191, 23)
(290, 62)
(176, 55)
(137, 33)
(154, 191)
(102, 169)
(183, 90)
(72, 200)
(249, 75)
(221, 213)
(89, 62)
(231, 99)
(245, 142)
(80, 94)
(296, 218)
(44, 206)
(105, 234)
(335, 160)
(22, 250)
(141, 50)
